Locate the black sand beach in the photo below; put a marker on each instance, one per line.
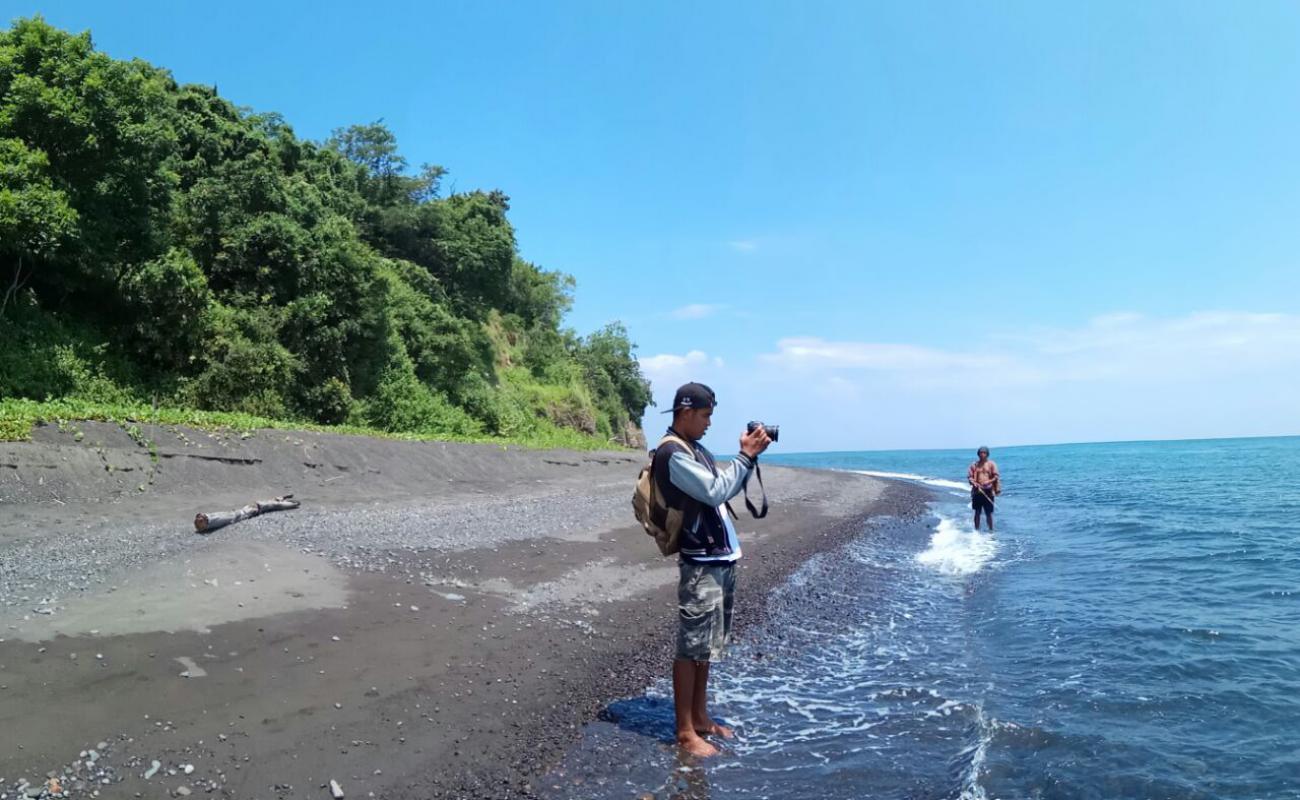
(436, 620)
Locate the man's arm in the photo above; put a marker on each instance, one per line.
(971, 476)
(696, 480)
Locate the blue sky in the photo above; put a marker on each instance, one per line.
(879, 225)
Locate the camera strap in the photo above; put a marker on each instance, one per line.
(748, 504)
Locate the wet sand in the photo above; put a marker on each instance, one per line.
(437, 620)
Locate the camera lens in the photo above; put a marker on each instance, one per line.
(773, 431)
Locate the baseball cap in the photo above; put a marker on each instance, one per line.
(693, 395)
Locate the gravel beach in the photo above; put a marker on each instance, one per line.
(436, 620)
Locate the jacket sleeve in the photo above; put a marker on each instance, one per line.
(696, 480)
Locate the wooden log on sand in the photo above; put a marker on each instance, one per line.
(207, 523)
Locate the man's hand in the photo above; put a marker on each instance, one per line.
(754, 442)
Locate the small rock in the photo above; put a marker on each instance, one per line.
(336, 791)
(188, 769)
(153, 770)
(182, 791)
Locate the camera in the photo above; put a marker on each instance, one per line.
(773, 431)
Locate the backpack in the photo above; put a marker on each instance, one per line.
(659, 521)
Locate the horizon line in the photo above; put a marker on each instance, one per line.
(1049, 444)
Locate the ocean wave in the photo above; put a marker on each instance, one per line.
(954, 550)
(977, 755)
(907, 476)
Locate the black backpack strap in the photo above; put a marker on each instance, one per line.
(748, 504)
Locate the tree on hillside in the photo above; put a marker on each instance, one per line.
(157, 241)
(35, 218)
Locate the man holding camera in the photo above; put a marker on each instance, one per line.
(690, 480)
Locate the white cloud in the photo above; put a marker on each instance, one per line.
(1119, 376)
(1116, 346)
(667, 367)
(743, 245)
(814, 353)
(695, 311)
(1137, 347)
(667, 371)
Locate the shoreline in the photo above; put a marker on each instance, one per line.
(437, 620)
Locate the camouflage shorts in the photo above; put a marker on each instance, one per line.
(705, 596)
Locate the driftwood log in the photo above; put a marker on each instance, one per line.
(207, 523)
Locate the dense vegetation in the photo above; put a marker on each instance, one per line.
(161, 247)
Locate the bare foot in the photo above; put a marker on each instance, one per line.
(715, 729)
(693, 745)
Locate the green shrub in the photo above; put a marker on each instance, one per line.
(84, 379)
(329, 403)
(245, 368)
(170, 297)
(401, 403)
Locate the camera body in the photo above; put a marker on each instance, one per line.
(773, 431)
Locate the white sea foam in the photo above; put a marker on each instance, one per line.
(908, 476)
(955, 550)
(971, 788)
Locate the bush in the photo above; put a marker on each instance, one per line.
(85, 380)
(46, 356)
(169, 296)
(401, 403)
(245, 367)
(329, 403)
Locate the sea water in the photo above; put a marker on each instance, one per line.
(1130, 630)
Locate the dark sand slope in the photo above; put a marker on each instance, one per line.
(437, 620)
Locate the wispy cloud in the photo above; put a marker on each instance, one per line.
(667, 367)
(696, 311)
(815, 353)
(1118, 376)
(1115, 346)
(743, 245)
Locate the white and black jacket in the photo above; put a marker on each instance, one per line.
(692, 482)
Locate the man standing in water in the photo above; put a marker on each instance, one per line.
(690, 480)
(985, 483)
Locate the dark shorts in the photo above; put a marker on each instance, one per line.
(706, 594)
(981, 501)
